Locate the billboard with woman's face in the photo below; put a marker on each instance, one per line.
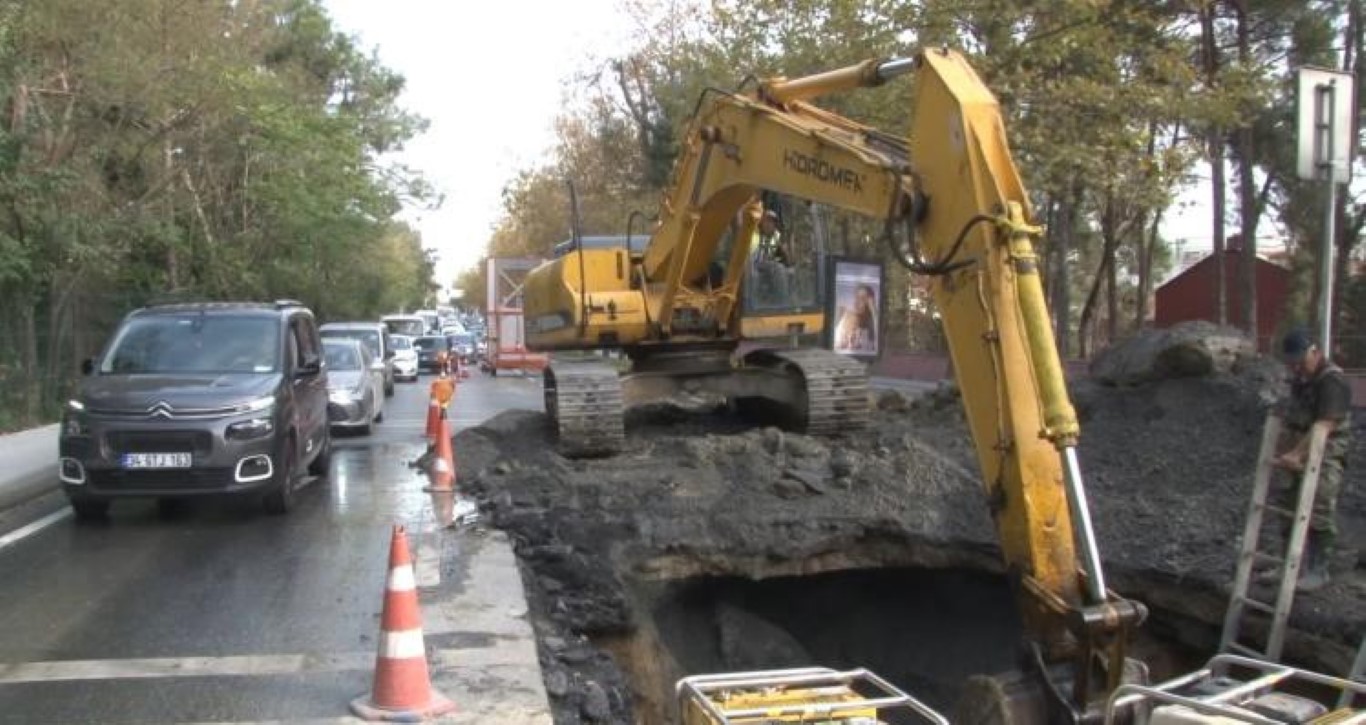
(856, 308)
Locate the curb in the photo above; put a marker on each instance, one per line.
(31, 465)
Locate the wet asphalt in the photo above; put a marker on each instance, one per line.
(218, 612)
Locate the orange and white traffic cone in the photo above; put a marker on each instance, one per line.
(402, 690)
(434, 410)
(443, 465)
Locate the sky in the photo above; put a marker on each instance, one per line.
(490, 77)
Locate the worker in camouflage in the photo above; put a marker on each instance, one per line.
(1319, 396)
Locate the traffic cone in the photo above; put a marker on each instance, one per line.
(443, 464)
(402, 690)
(433, 415)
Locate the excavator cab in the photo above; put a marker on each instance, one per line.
(783, 295)
(812, 695)
(787, 263)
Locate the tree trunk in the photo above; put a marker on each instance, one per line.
(28, 356)
(1111, 293)
(1088, 310)
(1069, 214)
(1248, 208)
(1348, 229)
(172, 259)
(1147, 249)
(1214, 139)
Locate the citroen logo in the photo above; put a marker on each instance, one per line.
(161, 409)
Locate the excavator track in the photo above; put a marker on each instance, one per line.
(836, 388)
(584, 402)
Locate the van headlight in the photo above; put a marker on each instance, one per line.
(259, 405)
(248, 429)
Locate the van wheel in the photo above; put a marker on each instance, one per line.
(281, 497)
(320, 463)
(90, 510)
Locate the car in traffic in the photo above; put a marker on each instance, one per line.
(187, 400)
(375, 337)
(355, 385)
(405, 357)
(432, 351)
(410, 325)
(461, 344)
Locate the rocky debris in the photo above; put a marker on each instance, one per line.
(750, 642)
(1188, 349)
(891, 400)
(1168, 465)
(595, 706)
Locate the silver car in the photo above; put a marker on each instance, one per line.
(374, 335)
(355, 385)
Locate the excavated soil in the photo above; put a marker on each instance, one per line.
(701, 495)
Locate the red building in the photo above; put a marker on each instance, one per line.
(1191, 295)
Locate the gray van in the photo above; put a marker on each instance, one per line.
(199, 399)
(375, 337)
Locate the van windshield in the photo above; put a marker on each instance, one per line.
(195, 343)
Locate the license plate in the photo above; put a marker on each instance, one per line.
(156, 460)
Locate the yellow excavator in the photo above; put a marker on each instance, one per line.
(953, 207)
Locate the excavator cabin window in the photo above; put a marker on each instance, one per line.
(787, 260)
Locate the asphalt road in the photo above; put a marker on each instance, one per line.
(220, 613)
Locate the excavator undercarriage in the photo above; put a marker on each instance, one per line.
(814, 391)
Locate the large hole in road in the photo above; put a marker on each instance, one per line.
(924, 630)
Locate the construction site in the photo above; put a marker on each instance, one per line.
(714, 544)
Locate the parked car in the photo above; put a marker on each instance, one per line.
(405, 357)
(375, 336)
(355, 385)
(431, 352)
(199, 399)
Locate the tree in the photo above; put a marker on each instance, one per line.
(219, 150)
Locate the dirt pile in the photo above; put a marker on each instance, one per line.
(698, 492)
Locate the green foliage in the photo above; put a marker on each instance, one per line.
(206, 150)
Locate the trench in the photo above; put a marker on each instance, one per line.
(924, 630)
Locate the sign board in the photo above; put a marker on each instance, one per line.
(1327, 106)
(854, 305)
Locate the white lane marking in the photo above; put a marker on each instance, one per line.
(251, 665)
(162, 667)
(402, 645)
(401, 579)
(27, 530)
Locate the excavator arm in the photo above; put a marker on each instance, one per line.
(977, 230)
(956, 210)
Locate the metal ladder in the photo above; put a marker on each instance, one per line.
(1251, 553)
(1358, 674)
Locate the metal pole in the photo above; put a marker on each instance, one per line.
(1325, 126)
(1086, 533)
